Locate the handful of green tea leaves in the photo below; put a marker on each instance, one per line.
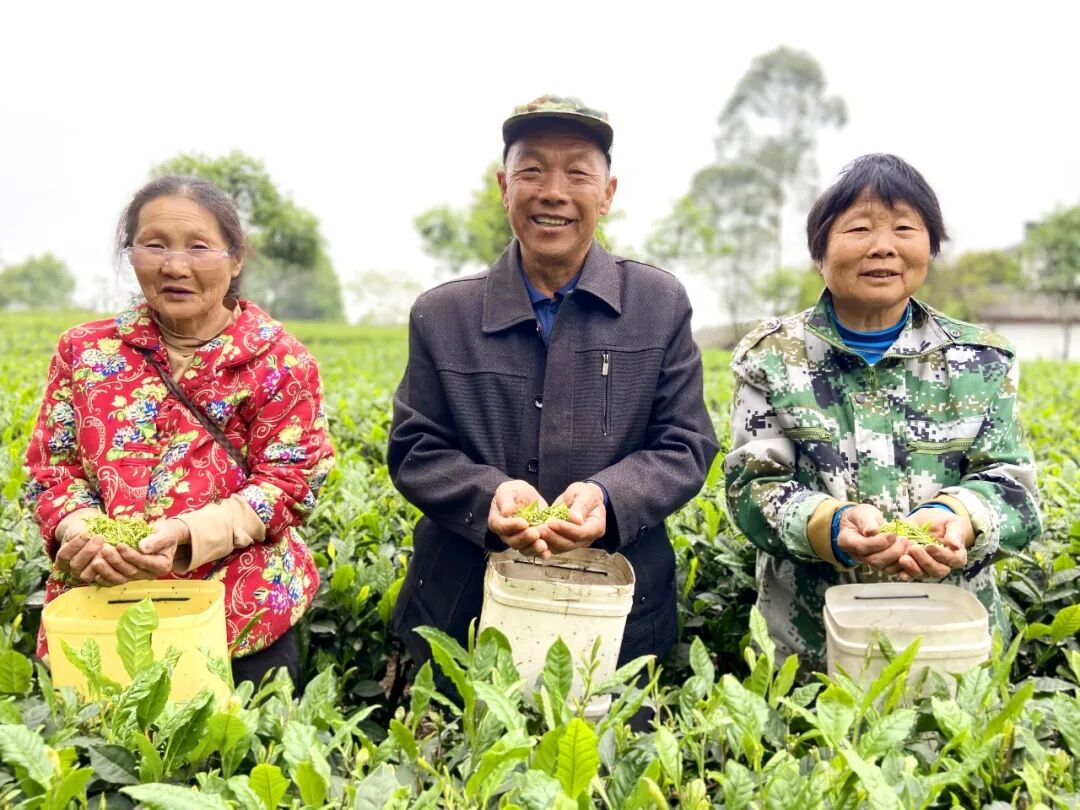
(535, 516)
(127, 531)
(916, 534)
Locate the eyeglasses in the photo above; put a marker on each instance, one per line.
(143, 257)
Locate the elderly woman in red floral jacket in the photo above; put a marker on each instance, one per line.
(196, 411)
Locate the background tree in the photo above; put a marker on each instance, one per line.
(475, 235)
(289, 272)
(40, 282)
(787, 290)
(719, 229)
(729, 225)
(1053, 249)
(772, 121)
(966, 286)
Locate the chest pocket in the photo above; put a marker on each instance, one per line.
(614, 391)
(819, 458)
(937, 454)
(926, 437)
(487, 411)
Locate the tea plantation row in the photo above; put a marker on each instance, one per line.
(735, 728)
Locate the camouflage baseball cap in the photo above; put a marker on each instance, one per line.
(565, 107)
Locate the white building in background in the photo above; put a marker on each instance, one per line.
(1040, 326)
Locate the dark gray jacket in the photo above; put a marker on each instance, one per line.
(483, 401)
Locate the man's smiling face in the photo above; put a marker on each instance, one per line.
(555, 187)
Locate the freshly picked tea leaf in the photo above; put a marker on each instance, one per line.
(916, 534)
(535, 516)
(128, 531)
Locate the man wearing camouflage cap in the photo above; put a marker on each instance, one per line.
(561, 374)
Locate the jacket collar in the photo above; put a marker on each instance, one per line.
(506, 301)
(248, 336)
(920, 335)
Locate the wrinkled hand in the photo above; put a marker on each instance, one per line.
(859, 537)
(586, 523)
(937, 561)
(77, 553)
(516, 531)
(154, 556)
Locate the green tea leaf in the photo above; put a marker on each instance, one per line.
(835, 714)
(558, 674)
(785, 679)
(376, 790)
(887, 733)
(647, 795)
(22, 747)
(759, 632)
(1036, 630)
(667, 751)
(173, 797)
(879, 794)
(311, 783)
(738, 786)
(495, 764)
(701, 662)
(1066, 623)
(184, 730)
(624, 674)
(16, 673)
(115, 764)
(404, 738)
(1011, 711)
(450, 656)
(71, 787)
(151, 766)
(134, 631)
(500, 706)
(538, 790)
(546, 756)
(269, 784)
(578, 759)
(893, 675)
(629, 770)
(241, 790)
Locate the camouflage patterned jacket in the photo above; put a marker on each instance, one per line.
(814, 427)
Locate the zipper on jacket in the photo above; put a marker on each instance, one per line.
(605, 372)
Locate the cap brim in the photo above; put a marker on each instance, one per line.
(602, 129)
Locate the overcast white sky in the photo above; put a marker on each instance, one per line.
(368, 114)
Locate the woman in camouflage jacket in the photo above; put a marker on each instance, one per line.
(871, 406)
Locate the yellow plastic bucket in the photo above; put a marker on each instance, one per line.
(191, 616)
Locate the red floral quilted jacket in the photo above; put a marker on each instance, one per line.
(111, 436)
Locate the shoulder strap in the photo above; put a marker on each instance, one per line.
(215, 432)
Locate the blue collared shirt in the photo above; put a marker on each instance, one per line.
(871, 346)
(547, 308)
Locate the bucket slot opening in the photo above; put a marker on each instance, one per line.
(152, 598)
(899, 596)
(564, 567)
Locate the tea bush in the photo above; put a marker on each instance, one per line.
(735, 727)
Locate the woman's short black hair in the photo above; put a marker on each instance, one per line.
(886, 177)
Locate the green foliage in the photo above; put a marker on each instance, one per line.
(288, 271)
(964, 287)
(729, 226)
(1053, 247)
(40, 282)
(748, 729)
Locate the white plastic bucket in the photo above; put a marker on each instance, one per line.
(952, 623)
(578, 596)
